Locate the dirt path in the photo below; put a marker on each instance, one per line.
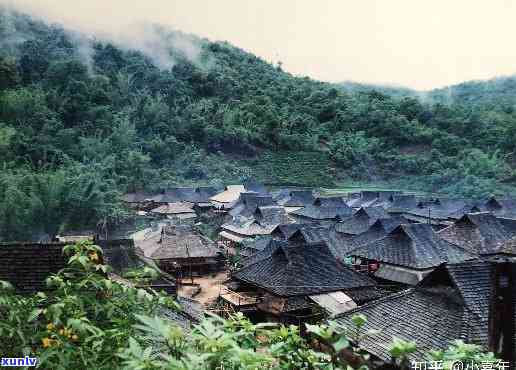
(210, 288)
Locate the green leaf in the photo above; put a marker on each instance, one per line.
(34, 314)
(340, 344)
(359, 320)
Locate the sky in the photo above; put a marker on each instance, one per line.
(422, 44)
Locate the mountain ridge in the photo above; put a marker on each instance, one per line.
(84, 120)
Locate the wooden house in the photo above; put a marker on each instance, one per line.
(482, 233)
(290, 281)
(294, 199)
(181, 250)
(361, 220)
(454, 302)
(248, 203)
(321, 215)
(501, 207)
(180, 211)
(226, 199)
(263, 221)
(409, 253)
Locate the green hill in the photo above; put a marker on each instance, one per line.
(83, 119)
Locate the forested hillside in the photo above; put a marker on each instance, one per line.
(83, 120)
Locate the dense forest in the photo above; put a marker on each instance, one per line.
(83, 120)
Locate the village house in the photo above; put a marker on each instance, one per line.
(480, 233)
(181, 251)
(402, 203)
(501, 207)
(439, 212)
(290, 282)
(361, 220)
(27, 265)
(293, 200)
(249, 246)
(263, 221)
(226, 199)
(370, 198)
(180, 211)
(342, 244)
(285, 231)
(141, 201)
(454, 302)
(321, 215)
(327, 201)
(247, 204)
(409, 253)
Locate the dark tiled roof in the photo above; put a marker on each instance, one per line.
(187, 194)
(431, 317)
(361, 220)
(451, 303)
(329, 201)
(265, 253)
(414, 246)
(508, 247)
(339, 244)
(178, 242)
(323, 213)
(247, 227)
(442, 209)
(501, 207)
(508, 223)
(27, 265)
(376, 231)
(249, 202)
(403, 202)
(300, 270)
(365, 198)
(479, 233)
(392, 222)
(270, 215)
(173, 208)
(257, 244)
(285, 231)
(297, 198)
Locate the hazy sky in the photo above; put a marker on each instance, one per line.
(418, 43)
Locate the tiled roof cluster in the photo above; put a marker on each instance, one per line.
(451, 303)
(415, 246)
(481, 233)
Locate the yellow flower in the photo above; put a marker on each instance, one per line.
(50, 326)
(47, 342)
(94, 256)
(75, 337)
(61, 331)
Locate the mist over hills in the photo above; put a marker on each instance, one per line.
(495, 92)
(85, 118)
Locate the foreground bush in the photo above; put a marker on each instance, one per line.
(89, 321)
